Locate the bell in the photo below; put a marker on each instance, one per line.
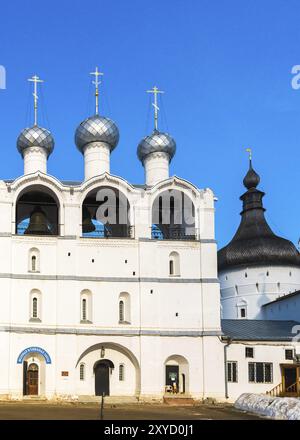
(38, 224)
(87, 224)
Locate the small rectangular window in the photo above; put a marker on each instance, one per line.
(232, 371)
(289, 355)
(249, 352)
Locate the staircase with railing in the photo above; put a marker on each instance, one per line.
(292, 390)
(277, 391)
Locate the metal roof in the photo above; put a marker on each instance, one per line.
(254, 243)
(78, 183)
(282, 298)
(259, 330)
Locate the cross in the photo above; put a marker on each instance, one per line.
(35, 79)
(249, 150)
(97, 83)
(155, 92)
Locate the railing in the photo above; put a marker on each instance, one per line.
(116, 231)
(276, 391)
(51, 230)
(292, 388)
(173, 233)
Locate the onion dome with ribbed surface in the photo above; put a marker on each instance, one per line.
(254, 243)
(97, 129)
(35, 137)
(156, 142)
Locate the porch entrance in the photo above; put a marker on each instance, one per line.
(172, 377)
(290, 380)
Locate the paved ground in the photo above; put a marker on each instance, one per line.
(91, 411)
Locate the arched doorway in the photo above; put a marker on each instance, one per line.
(117, 355)
(102, 371)
(32, 380)
(177, 374)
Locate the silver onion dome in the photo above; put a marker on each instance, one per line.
(96, 129)
(35, 137)
(156, 142)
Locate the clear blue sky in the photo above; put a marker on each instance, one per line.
(225, 66)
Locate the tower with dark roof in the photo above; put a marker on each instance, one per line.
(256, 266)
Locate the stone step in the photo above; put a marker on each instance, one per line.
(34, 399)
(179, 400)
(108, 400)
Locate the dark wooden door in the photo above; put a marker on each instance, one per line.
(33, 380)
(102, 379)
(290, 376)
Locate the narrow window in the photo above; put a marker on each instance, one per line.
(84, 310)
(268, 373)
(121, 372)
(174, 264)
(243, 313)
(251, 373)
(246, 274)
(259, 373)
(33, 263)
(34, 307)
(232, 371)
(289, 355)
(82, 372)
(34, 260)
(249, 352)
(121, 311)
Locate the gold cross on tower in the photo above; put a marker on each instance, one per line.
(97, 83)
(155, 92)
(35, 79)
(249, 151)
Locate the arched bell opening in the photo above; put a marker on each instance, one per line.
(105, 214)
(37, 214)
(173, 216)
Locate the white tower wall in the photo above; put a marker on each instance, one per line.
(250, 288)
(35, 159)
(156, 168)
(96, 159)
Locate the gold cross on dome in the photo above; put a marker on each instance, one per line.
(249, 151)
(155, 91)
(96, 82)
(35, 79)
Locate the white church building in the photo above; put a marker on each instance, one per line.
(114, 288)
(100, 294)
